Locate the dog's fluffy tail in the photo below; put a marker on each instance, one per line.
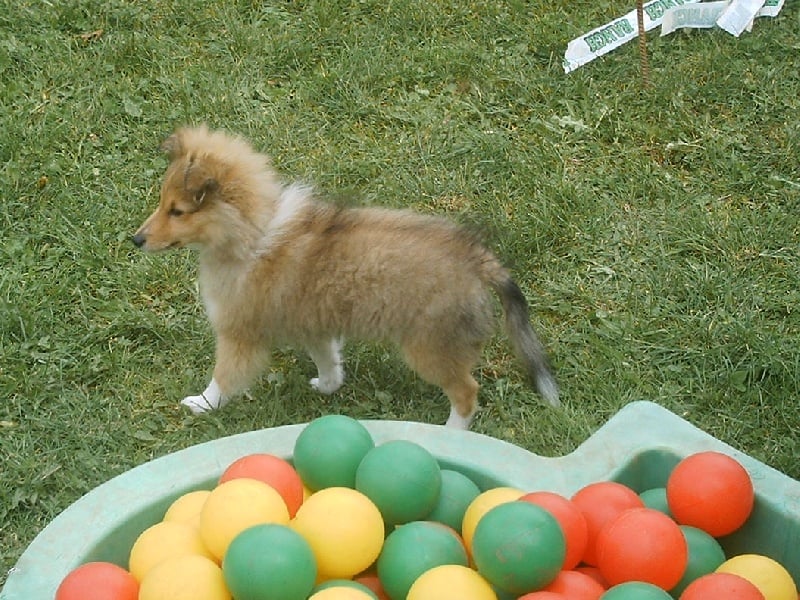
(524, 340)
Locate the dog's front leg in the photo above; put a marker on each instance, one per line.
(210, 399)
(327, 356)
(239, 361)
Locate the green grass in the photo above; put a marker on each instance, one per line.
(655, 231)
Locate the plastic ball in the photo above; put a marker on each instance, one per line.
(767, 575)
(187, 508)
(481, 505)
(594, 573)
(721, 585)
(635, 590)
(161, 541)
(457, 493)
(372, 581)
(656, 498)
(519, 547)
(234, 506)
(414, 548)
(705, 555)
(340, 593)
(269, 562)
(345, 583)
(451, 582)
(601, 503)
(345, 531)
(273, 471)
(576, 586)
(571, 520)
(98, 581)
(710, 491)
(402, 478)
(645, 545)
(328, 451)
(544, 595)
(187, 577)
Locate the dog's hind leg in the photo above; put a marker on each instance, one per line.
(452, 372)
(238, 363)
(327, 356)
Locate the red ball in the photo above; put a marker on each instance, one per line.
(600, 503)
(371, 581)
(710, 491)
(594, 573)
(571, 519)
(576, 586)
(273, 471)
(642, 544)
(542, 595)
(98, 581)
(721, 585)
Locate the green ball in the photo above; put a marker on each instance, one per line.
(457, 493)
(656, 498)
(705, 555)
(348, 583)
(269, 562)
(328, 451)
(635, 590)
(402, 479)
(518, 547)
(414, 548)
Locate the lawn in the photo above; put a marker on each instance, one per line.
(654, 230)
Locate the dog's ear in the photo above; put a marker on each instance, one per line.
(173, 146)
(199, 182)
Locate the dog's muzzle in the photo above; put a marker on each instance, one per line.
(139, 239)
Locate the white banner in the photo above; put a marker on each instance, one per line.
(734, 16)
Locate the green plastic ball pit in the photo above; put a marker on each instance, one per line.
(638, 447)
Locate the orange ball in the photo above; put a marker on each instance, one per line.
(371, 581)
(721, 585)
(575, 586)
(600, 503)
(642, 544)
(710, 491)
(98, 581)
(571, 520)
(273, 471)
(544, 595)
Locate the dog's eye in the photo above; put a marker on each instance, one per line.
(175, 212)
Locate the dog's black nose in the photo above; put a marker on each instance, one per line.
(138, 240)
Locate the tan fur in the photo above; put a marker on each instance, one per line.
(279, 266)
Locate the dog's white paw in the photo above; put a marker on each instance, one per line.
(198, 404)
(326, 385)
(210, 399)
(456, 421)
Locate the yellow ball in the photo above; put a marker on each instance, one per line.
(451, 582)
(163, 541)
(344, 529)
(774, 581)
(236, 505)
(340, 593)
(483, 504)
(186, 509)
(185, 578)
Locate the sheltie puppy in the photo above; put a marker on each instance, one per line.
(279, 266)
